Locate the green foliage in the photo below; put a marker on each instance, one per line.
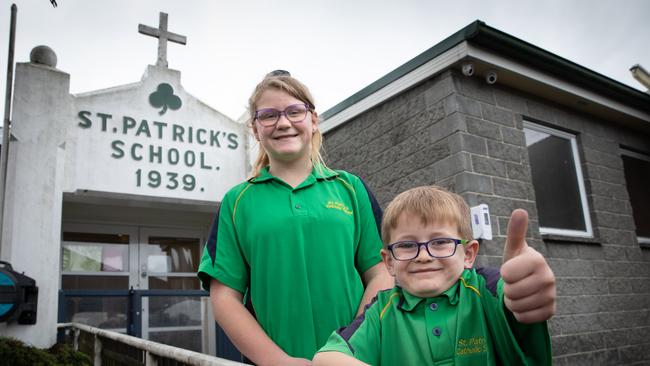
(16, 353)
(67, 356)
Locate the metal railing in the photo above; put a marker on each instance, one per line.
(106, 347)
(225, 350)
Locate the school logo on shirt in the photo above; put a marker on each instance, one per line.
(339, 206)
(471, 346)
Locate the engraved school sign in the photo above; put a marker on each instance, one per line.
(152, 138)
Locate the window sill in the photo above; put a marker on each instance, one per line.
(569, 239)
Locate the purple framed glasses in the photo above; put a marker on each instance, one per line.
(295, 113)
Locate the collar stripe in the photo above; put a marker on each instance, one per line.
(347, 185)
(234, 209)
(470, 287)
(386, 307)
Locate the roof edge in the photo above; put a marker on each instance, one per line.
(541, 59)
(479, 33)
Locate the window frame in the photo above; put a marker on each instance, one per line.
(642, 240)
(588, 232)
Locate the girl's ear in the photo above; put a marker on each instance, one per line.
(255, 133)
(471, 251)
(314, 120)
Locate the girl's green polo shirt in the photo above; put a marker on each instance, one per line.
(467, 325)
(300, 253)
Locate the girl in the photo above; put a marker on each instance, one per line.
(298, 239)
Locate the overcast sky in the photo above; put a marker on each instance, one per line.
(336, 47)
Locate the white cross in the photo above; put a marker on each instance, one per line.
(163, 36)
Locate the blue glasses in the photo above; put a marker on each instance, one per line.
(437, 248)
(295, 113)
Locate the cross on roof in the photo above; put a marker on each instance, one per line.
(163, 36)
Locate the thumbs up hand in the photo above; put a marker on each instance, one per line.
(529, 283)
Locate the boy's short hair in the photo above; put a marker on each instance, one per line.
(431, 204)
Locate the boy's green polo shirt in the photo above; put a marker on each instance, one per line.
(466, 325)
(299, 251)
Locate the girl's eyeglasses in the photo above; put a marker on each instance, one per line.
(295, 113)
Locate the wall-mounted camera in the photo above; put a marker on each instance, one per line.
(491, 77)
(468, 69)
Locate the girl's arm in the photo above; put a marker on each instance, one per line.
(244, 331)
(374, 279)
(336, 358)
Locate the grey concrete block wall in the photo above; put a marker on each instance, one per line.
(463, 134)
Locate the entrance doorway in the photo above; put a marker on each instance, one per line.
(97, 257)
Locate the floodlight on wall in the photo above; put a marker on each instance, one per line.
(641, 75)
(491, 77)
(468, 69)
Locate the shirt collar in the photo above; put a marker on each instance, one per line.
(264, 176)
(319, 172)
(409, 302)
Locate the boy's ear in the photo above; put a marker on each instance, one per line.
(388, 261)
(471, 251)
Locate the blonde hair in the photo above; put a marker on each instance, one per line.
(286, 83)
(431, 204)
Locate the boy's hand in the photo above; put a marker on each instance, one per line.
(529, 283)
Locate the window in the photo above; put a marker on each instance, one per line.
(637, 178)
(557, 180)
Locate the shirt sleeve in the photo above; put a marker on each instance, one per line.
(369, 225)
(361, 339)
(222, 257)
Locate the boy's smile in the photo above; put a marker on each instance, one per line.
(426, 276)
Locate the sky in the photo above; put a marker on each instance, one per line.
(336, 47)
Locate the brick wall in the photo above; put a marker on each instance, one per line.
(466, 135)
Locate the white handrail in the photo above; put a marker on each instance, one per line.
(151, 348)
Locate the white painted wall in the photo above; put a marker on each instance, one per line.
(62, 145)
(31, 231)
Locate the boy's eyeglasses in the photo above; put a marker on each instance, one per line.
(295, 113)
(437, 248)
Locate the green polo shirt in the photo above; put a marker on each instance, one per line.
(300, 253)
(466, 325)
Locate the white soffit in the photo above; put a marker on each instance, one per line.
(552, 81)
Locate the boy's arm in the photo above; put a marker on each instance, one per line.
(333, 358)
(529, 283)
(244, 331)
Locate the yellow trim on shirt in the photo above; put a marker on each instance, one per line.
(470, 287)
(390, 300)
(234, 209)
(347, 185)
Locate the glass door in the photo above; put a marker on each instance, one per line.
(98, 257)
(168, 260)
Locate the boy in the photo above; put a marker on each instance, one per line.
(441, 311)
